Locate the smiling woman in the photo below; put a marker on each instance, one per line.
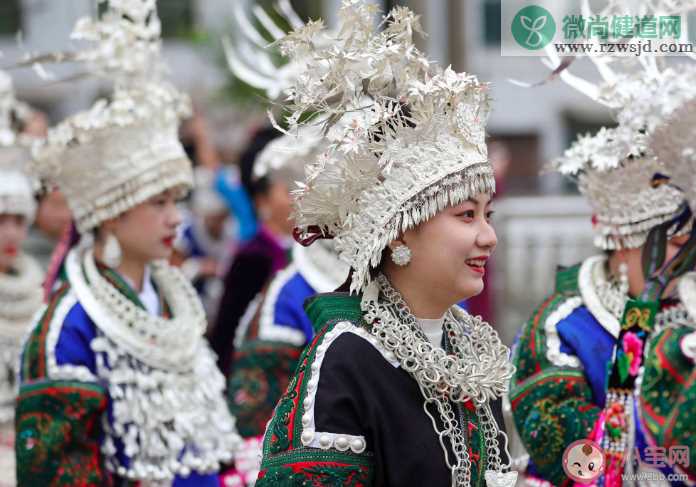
(396, 387)
(449, 255)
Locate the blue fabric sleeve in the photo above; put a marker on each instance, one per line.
(289, 307)
(582, 335)
(197, 480)
(73, 346)
(238, 201)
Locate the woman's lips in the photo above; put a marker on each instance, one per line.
(168, 241)
(477, 264)
(10, 251)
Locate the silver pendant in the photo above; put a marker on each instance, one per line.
(500, 479)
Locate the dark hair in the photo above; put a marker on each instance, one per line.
(256, 186)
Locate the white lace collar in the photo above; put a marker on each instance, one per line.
(320, 267)
(432, 328)
(595, 288)
(148, 296)
(687, 294)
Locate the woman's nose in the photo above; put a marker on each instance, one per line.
(486, 236)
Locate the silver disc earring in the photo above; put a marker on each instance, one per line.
(112, 251)
(623, 278)
(401, 255)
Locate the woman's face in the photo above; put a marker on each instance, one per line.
(449, 252)
(53, 215)
(275, 207)
(147, 231)
(13, 231)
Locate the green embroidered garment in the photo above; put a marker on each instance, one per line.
(351, 416)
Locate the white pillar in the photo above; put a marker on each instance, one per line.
(436, 24)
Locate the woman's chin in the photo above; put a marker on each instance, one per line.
(163, 253)
(473, 287)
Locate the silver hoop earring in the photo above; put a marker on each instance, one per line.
(112, 251)
(401, 255)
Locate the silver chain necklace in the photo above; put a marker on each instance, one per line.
(478, 370)
(613, 294)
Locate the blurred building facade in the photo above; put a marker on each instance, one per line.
(535, 124)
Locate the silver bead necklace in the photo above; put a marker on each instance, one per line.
(477, 370)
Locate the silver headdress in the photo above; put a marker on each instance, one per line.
(123, 151)
(16, 188)
(674, 142)
(406, 138)
(616, 169)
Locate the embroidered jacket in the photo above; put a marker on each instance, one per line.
(351, 416)
(256, 262)
(64, 404)
(564, 356)
(271, 337)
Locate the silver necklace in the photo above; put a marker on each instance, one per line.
(167, 343)
(477, 371)
(612, 292)
(167, 396)
(687, 294)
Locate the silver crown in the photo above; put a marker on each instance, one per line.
(674, 142)
(16, 188)
(120, 152)
(406, 137)
(616, 168)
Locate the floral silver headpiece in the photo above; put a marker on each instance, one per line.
(674, 141)
(123, 151)
(16, 188)
(406, 138)
(615, 168)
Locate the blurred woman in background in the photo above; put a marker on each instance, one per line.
(21, 276)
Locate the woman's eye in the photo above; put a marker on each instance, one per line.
(489, 214)
(466, 214)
